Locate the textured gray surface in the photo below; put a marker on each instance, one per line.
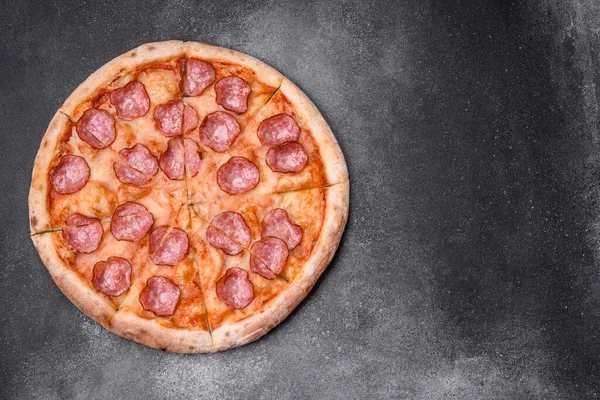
(470, 265)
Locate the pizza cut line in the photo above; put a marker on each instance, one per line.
(187, 197)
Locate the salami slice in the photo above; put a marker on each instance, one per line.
(137, 165)
(171, 161)
(82, 233)
(287, 157)
(219, 130)
(190, 118)
(196, 75)
(131, 222)
(232, 94)
(193, 157)
(131, 101)
(168, 246)
(228, 232)
(277, 224)
(278, 129)
(238, 175)
(268, 256)
(113, 276)
(160, 296)
(175, 118)
(235, 289)
(70, 175)
(97, 128)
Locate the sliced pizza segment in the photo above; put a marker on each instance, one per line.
(282, 243)
(239, 87)
(296, 218)
(148, 131)
(237, 84)
(291, 144)
(96, 281)
(70, 177)
(110, 253)
(285, 146)
(77, 178)
(235, 297)
(165, 305)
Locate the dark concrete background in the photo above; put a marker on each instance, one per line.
(470, 264)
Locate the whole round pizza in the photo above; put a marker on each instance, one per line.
(187, 197)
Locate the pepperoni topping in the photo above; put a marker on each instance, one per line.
(228, 232)
(113, 276)
(190, 118)
(131, 100)
(232, 93)
(193, 157)
(97, 128)
(277, 223)
(197, 75)
(175, 118)
(131, 221)
(278, 129)
(168, 246)
(70, 175)
(171, 161)
(219, 130)
(287, 157)
(82, 233)
(235, 289)
(137, 167)
(160, 296)
(238, 175)
(268, 256)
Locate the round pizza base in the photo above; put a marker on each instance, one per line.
(148, 331)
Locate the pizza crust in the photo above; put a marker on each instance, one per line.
(252, 328)
(77, 289)
(264, 73)
(334, 223)
(39, 218)
(120, 71)
(153, 334)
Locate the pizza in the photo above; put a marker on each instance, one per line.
(187, 197)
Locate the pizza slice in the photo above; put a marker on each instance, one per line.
(102, 256)
(218, 80)
(71, 177)
(291, 144)
(226, 90)
(238, 302)
(165, 308)
(255, 254)
(118, 143)
(285, 146)
(140, 116)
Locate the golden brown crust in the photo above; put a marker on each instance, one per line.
(39, 218)
(265, 73)
(234, 335)
(77, 289)
(152, 333)
(250, 329)
(333, 158)
(119, 70)
(336, 216)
